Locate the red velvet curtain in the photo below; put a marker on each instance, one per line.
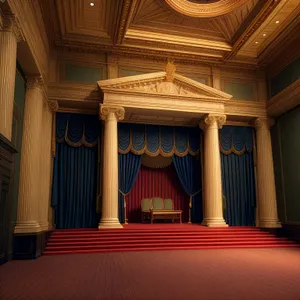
(162, 183)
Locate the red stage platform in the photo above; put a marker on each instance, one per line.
(149, 237)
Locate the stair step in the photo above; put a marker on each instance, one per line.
(105, 250)
(173, 244)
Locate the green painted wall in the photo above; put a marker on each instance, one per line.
(285, 78)
(19, 102)
(127, 72)
(239, 90)
(82, 74)
(286, 152)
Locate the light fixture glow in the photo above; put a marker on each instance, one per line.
(277, 22)
(92, 4)
(256, 42)
(264, 34)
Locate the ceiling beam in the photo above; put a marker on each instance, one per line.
(125, 16)
(255, 19)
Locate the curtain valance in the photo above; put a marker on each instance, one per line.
(156, 140)
(236, 139)
(77, 129)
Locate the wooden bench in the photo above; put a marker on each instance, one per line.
(157, 208)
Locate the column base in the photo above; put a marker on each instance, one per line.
(109, 223)
(27, 227)
(269, 224)
(44, 226)
(214, 222)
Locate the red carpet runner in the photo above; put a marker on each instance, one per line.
(143, 237)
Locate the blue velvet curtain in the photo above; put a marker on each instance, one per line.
(188, 171)
(236, 145)
(75, 171)
(158, 140)
(129, 166)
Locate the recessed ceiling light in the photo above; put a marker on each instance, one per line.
(92, 4)
(256, 42)
(277, 22)
(264, 34)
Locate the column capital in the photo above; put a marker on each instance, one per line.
(263, 123)
(53, 105)
(211, 119)
(8, 22)
(107, 110)
(34, 82)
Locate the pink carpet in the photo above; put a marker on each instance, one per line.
(147, 237)
(235, 274)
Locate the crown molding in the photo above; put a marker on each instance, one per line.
(284, 101)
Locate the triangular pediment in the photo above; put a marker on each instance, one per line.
(159, 83)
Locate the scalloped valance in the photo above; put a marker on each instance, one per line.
(77, 129)
(236, 139)
(156, 140)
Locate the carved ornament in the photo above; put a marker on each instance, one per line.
(53, 105)
(107, 112)
(34, 82)
(263, 123)
(170, 71)
(210, 10)
(9, 23)
(212, 119)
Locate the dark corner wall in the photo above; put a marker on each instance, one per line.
(286, 153)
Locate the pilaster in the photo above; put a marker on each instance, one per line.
(45, 167)
(112, 66)
(9, 36)
(29, 183)
(212, 189)
(53, 106)
(111, 115)
(266, 192)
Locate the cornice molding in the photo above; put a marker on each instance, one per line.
(284, 101)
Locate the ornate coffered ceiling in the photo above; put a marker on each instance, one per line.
(240, 31)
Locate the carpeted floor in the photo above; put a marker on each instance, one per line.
(238, 274)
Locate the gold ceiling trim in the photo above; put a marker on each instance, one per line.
(208, 10)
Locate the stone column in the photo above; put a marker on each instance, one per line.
(9, 36)
(30, 180)
(212, 189)
(45, 167)
(110, 115)
(266, 193)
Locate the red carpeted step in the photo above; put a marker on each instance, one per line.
(160, 237)
(154, 240)
(78, 251)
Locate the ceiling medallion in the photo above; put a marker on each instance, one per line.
(210, 9)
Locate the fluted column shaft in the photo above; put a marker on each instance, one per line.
(29, 184)
(45, 167)
(8, 59)
(111, 115)
(212, 190)
(266, 192)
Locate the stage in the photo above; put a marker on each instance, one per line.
(154, 237)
